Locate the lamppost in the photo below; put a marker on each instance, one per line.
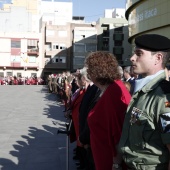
(13, 67)
(24, 64)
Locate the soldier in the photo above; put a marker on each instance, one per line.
(145, 140)
(49, 83)
(54, 84)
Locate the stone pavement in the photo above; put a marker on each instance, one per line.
(29, 121)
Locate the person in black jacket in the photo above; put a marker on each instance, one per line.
(88, 102)
(128, 78)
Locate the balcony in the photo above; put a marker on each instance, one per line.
(15, 64)
(34, 51)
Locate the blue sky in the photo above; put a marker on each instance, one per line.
(91, 9)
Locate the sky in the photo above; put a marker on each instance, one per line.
(90, 9)
(94, 9)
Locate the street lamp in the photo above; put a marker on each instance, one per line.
(13, 67)
(24, 61)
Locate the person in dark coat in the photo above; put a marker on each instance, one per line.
(129, 78)
(88, 102)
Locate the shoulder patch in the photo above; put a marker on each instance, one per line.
(165, 122)
(165, 86)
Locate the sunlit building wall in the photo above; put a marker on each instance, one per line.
(148, 16)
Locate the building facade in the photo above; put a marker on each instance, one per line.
(28, 43)
(66, 46)
(19, 43)
(148, 16)
(84, 41)
(47, 39)
(113, 35)
(56, 45)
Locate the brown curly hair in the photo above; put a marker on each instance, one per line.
(103, 66)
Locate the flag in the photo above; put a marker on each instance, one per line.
(25, 59)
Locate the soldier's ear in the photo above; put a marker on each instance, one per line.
(159, 58)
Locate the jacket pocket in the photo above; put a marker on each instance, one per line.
(136, 133)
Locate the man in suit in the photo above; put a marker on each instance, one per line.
(128, 78)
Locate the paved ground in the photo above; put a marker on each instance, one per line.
(29, 121)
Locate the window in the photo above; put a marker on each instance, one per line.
(105, 33)
(33, 74)
(62, 46)
(118, 37)
(55, 46)
(9, 73)
(118, 50)
(118, 30)
(15, 44)
(79, 60)
(79, 48)
(19, 74)
(32, 59)
(59, 59)
(62, 59)
(1, 74)
(106, 42)
(15, 59)
(50, 33)
(48, 47)
(91, 47)
(105, 47)
(59, 46)
(118, 43)
(32, 44)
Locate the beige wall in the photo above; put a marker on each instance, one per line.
(31, 5)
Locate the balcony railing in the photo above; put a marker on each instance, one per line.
(33, 51)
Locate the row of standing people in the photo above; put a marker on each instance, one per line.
(101, 91)
(63, 85)
(113, 130)
(13, 80)
(98, 109)
(120, 131)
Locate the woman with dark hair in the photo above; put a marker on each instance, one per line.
(106, 118)
(74, 85)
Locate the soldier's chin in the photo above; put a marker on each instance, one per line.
(135, 71)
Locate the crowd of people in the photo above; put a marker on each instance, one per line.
(120, 116)
(14, 80)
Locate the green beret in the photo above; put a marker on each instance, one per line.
(153, 42)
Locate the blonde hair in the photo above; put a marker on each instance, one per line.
(127, 85)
